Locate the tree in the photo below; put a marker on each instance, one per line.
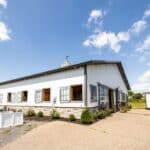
(137, 97)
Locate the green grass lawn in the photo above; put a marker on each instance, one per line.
(139, 105)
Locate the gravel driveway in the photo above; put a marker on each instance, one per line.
(128, 131)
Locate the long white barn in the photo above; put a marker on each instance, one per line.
(92, 84)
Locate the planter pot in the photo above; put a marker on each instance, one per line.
(9, 118)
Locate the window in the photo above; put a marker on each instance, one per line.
(93, 90)
(76, 93)
(24, 96)
(18, 97)
(118, 95)
(38, 96)
(103, 93)
(64, 94)
(1, 97)
(14, 97)
(46, 94)
(123, 96)
(9, 97)
(42, 95)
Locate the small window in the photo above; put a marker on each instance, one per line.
(9, 97)
(103, 93)
(1, 97)
(123, 96)
(38, 95)
(118, 95)
(64, 94)
(46, 94)
(93, 90)
(18, 97)
(76, 93)
(14, 97)
(24, 96)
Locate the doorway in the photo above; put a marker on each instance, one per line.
(111, 98)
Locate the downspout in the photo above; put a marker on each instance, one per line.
(85, 85)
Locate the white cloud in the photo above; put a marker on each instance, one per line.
(138, 26)
(3, 3)
(145, 77)
(101, 38)
(144, 47)
(110, 39)
(124, 36)
(143, 51)
(147, 12)
(95, 15)
(143, 83)
(4, 32)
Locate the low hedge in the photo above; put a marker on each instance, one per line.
(40, 114)
(124, 109)
(30, 113)
(72, 117)
(86, 117)
(54, 114)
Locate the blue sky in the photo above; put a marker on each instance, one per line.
(37, 35)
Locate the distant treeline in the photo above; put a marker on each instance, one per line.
(136, 97)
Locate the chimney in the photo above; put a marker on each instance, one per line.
(66, 62)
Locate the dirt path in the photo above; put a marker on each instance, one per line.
(129, 131)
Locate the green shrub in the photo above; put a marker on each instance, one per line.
(123, 109)
(19, 110)
(30, 113)
(72, 117)
(95, 115)
(129, 106)
(40, 114)
(54, 114)
(101, 114)
(108, 112)
(1, 110)
(13, 109)
(86, 117)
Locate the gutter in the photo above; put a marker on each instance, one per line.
(85, 85)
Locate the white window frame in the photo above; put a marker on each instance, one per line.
(65, 94)
(38, 96)
(103, 93)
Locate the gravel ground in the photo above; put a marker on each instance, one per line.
(8, 135)
(121, 131)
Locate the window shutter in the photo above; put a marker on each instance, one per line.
(19, 97)
(13, 97)
(1, 98)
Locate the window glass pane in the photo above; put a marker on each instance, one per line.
(93, 90)
(103, 93)
(76, 93)
(24, 96)
(13, 98)
(18, 99)
(64, 94)
(38, 96)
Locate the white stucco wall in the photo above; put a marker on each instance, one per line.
(53, 81)
(108, 75)
(148, 100)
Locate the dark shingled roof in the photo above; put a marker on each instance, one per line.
(91, 62)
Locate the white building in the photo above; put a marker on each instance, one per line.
(147, 96)
(92, 84)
